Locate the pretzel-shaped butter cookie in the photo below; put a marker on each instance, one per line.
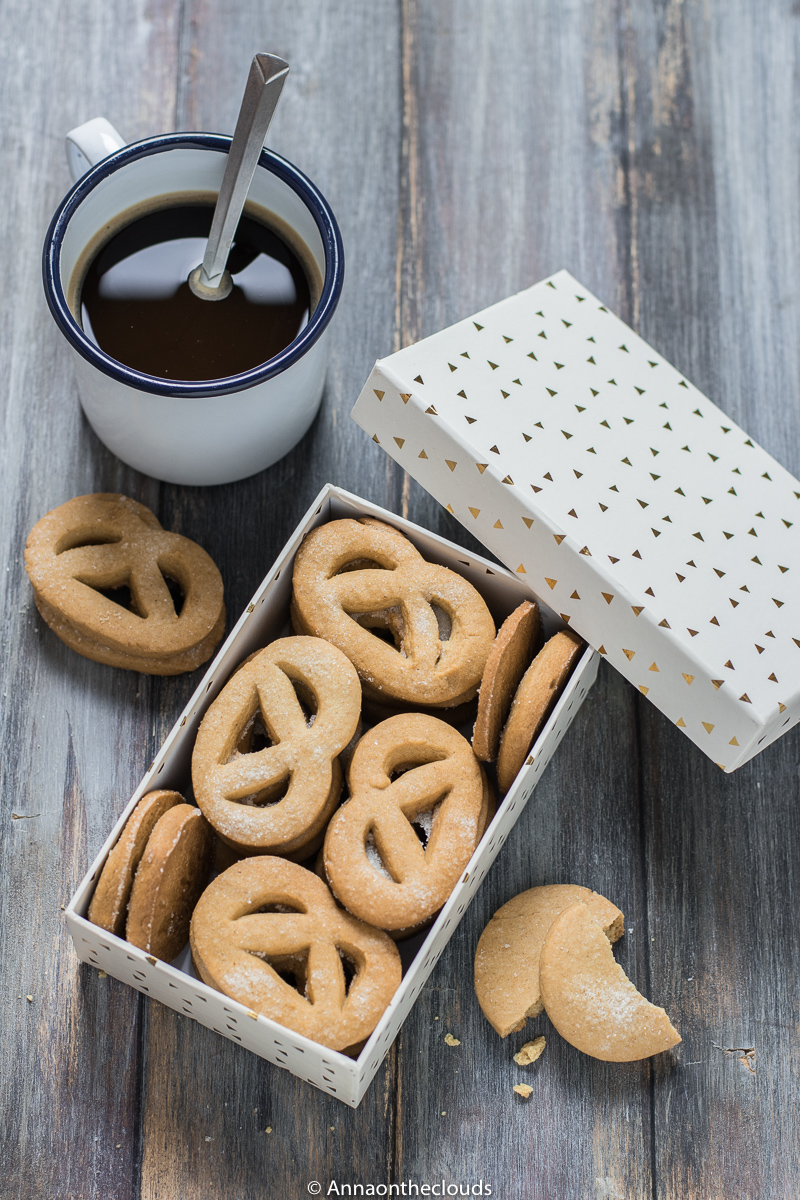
(350, 574)
(440, 775)
(239, 948)
(239, 789)
(109, 541)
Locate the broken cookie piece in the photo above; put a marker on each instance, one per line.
(590, 999)
(523, 1089)
(530, 1052)
(507, 957)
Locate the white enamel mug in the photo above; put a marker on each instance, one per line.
(212, 431)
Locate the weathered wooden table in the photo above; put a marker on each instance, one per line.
(468, 149)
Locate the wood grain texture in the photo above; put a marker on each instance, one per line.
(468, 149)
(70, 1112)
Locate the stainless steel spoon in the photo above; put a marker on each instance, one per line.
(211, 280)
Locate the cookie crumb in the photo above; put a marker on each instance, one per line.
(29, 999)
(444, 1112)
(523, 1089)
(102, 975)
(450, 1040)
(436, 1018)
(530, 1052)
(268, 1129)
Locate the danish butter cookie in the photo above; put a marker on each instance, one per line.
(171, 875)
(508, 659)
(265, 917)
(274, 793)
(354, 580)
(405, 768)
(100, 543)
(537, 693)
(589, 998)
(507, 957)
(109, 904)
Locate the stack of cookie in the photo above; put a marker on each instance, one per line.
(385, 820)
(519, 690)
(550, 948)
(154, 875)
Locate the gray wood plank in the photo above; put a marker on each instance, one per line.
(714, 106)
(69, 1059)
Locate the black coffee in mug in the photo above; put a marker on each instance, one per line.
(133, 300)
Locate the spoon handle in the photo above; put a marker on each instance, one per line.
(261, 94)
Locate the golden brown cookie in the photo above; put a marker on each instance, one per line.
(109, 905)
(354, 580)
(98, 651)
(104, 542)
(541, 686)
(508, 660)
(374, 860)
(169, 879)
(265, 918)
(265, 765)
(589, 998)
(507, 957)
(423, 824)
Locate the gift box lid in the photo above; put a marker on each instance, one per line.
(651, 522)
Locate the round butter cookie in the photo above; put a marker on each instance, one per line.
(507, 956)
(109, 905)
(589, 998)
(508, 659)
(541, 686)
(171, 875)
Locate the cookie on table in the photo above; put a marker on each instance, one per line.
(589, 998)
(541, 686)
(109, 905)
(169, 880)
(508, 659)
(80, 558)
(507, 956)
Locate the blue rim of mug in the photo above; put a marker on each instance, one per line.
(289, 174)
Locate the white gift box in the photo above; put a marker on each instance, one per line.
(592, 468)
(267, 618)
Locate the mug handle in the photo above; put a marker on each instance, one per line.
(86, 144)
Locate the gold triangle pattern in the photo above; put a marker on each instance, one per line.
(712, 446)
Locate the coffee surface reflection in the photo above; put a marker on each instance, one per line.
(136, 305)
